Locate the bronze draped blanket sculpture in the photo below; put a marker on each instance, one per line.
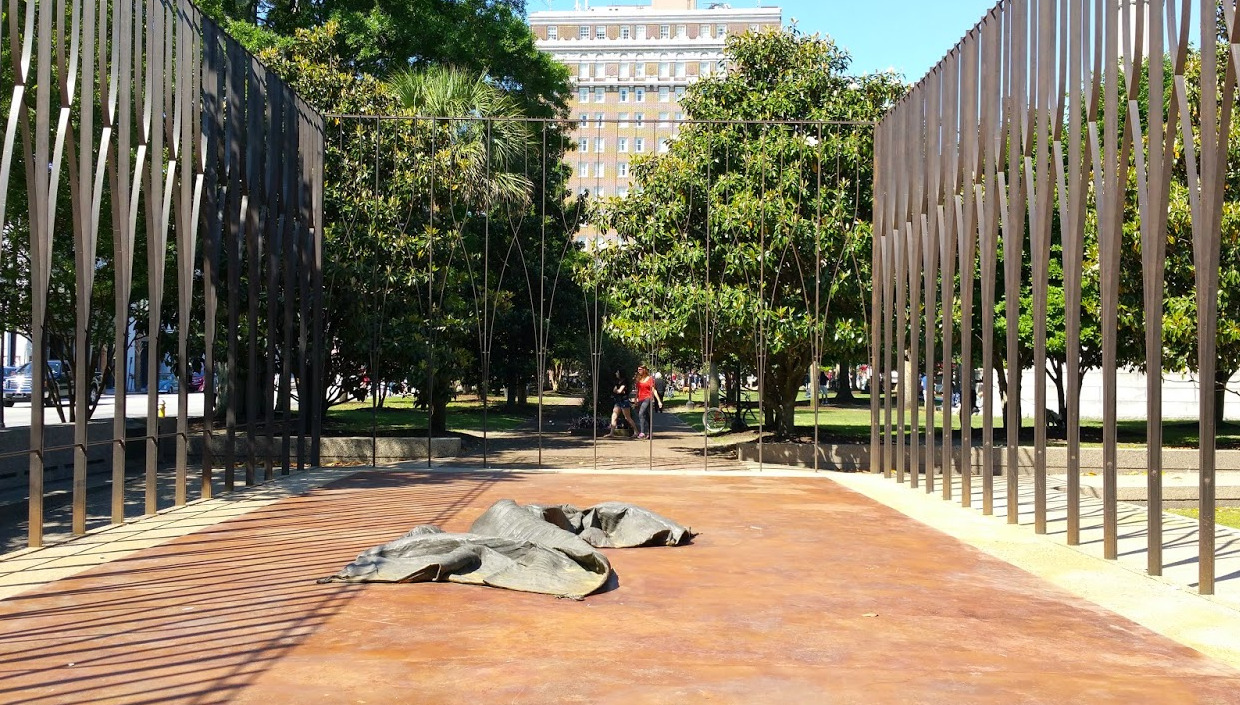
(548, 549)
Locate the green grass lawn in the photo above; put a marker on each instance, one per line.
(398, 416)
(843, 424)
(1227, 516)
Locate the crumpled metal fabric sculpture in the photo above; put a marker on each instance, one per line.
(548, 549)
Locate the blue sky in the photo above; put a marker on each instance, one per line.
(909, 36)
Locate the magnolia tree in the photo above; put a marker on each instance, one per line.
(748, 241)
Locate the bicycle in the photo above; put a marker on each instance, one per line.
(716, 419)
(720, 418)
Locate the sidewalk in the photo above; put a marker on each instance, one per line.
(801, 588)
(798, 590)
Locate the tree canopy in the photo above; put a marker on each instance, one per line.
(749, 238)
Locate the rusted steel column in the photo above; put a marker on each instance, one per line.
(930, 256)
(949, 155)
(1014, 236)
(1072, 236)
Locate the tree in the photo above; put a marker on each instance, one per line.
(770, 209)
(426, 221)
(382, 37)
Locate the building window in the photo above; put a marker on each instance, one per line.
(704, 68)
(583, 70)
(622, 144)
(600, 70)
(753, 28)
(600, 95)
(639, 119)
(680, 69)
(600, 145)
(641, 31)
(584, 121)
(553, 32)
(624, 119)
(583, 145)
(625, 32)
(624, 95)
(600, 32)
(665, 31)
(583, 95)
(600, 169)
(665, 69)
(641, 69)
(680, 92)
(583, 32)
(600, 192)
(639, 145)
(583, 169)
(665, 94)
(625, 69)
(622, 191)
(622, 169)
(721, 31)
(663, 119)
(704, 32)
(639, 95)
(664, 145)
(681, 31)
(598, 120)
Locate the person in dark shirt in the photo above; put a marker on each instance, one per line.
(620, 404)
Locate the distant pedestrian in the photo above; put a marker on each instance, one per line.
(648, 401)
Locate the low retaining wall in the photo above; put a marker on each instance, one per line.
(856, 456)
(347, 449)
(58, 464)
(386, 450)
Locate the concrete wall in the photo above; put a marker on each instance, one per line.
(386, 450)
(58, 464)
(58, 468)
(340, 450)
(853, 457)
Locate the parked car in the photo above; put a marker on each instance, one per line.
(168, 383)
(18, 384)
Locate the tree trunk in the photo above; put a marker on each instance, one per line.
(843, 388)
(782, 384)
(1001, 378)
(440, 395)
(1058, 375)
(712, 385)
(1220, 395)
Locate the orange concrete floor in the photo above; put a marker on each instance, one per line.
(796, 591)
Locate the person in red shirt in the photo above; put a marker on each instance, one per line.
(648, 401)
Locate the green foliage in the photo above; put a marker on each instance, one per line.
(433, 228)
(730, 232)
(382, 37)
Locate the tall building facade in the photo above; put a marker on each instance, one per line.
(631, 65)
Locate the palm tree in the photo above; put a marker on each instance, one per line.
(489, 134)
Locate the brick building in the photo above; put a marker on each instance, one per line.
(631, 64)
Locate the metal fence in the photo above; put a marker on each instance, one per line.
(174, 142)
(1047, 124)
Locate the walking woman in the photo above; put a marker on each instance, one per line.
(620, 404)
(648, 401)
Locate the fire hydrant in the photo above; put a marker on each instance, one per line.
(163, 408)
